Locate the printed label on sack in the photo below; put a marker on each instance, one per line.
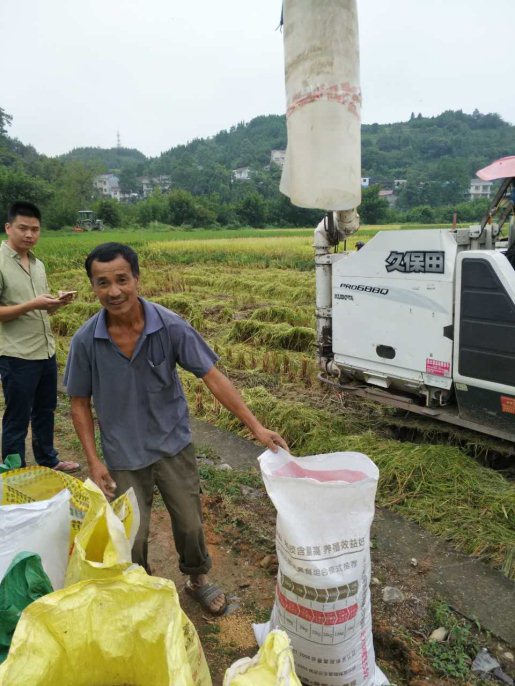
(322, 616)
(437, 367)
(508, 404)
(326, 618)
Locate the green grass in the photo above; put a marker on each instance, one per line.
(227, 482)
(452, 657)
(273, 335)
(294, 316)
(57, 248)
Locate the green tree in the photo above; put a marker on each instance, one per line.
(373, 209)
(153, 209)
(128, 178)
(5, 121)
(181, 208)
(282, 213)
(252, 210)
(108, 210)
(205, 213)
(16, 185)
(421, 215)
(73, 192)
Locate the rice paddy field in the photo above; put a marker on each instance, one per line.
(251, 294)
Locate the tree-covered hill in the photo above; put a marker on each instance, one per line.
(436, 156)
(109, 159)
(243, 145)
(420, 146)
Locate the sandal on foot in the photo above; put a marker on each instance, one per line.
(67, 467)
(205, 594)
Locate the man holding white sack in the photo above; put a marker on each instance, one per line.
(125, 358)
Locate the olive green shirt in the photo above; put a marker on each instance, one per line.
(28, 336)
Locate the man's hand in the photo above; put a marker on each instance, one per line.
(271, 439)
(45, 302)
(100, 475)
(51, 304)
(66, 297)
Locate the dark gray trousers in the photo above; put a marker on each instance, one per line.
(177, 480)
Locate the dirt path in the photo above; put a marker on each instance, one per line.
(246, 584)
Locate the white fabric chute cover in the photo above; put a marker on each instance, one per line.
(323, 159)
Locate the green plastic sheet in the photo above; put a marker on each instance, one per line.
(10, 462)
(24, 582)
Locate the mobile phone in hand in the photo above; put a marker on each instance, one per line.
(65, 294)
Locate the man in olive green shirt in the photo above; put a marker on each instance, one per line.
(27, 347)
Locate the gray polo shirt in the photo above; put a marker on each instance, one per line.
(139, 403)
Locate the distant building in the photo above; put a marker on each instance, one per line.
(277, 157)
(108, 185)
(365, 181)
(399, 183)
(163, 182)
(146, 186)
(480, 189)
(241, 174)
(388, 195)
(149, 184)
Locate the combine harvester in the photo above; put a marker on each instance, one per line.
(420, 320)
(425, 320)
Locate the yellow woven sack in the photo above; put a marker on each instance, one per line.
(126, 630)
(102, 547)
(27, 485)
(272, 666)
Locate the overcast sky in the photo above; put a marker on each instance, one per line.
(162, 72)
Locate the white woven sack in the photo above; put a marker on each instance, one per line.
(41, 527)
(325, 508)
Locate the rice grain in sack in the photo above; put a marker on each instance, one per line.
(325, 508)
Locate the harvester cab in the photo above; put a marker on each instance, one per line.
(424, 320)
(87, 221)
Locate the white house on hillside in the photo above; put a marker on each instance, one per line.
(480, 189)
(149, 184)
(277, 157)
(241, 174)
(108, 185)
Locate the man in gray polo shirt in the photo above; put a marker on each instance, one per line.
(125, 359)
